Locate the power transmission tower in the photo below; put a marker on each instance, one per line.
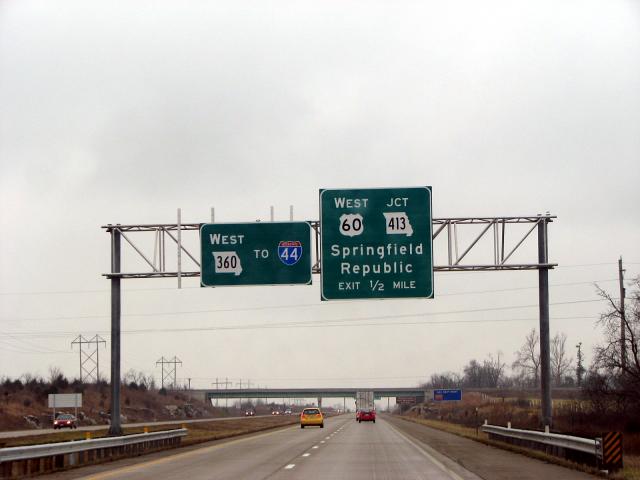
(248, 385)
(169, 374)
(226, 384)
(89, 358)
(623, 323)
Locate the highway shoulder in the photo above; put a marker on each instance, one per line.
(483, 460)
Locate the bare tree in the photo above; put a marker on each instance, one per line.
(495, 369)
(560, 362)
(444, 380)
(528, 358)
(486, 374)
(622, 377)
(54, 374)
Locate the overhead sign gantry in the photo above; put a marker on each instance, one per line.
(383, 236)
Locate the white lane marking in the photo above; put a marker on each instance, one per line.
(290, 466)
(321, 441)
(306, 454)
(436, 462)
(327, 438)
(315, 446)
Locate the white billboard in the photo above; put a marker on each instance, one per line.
(65, 400)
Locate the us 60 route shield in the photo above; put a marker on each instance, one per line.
(274, 253)
(376, 243)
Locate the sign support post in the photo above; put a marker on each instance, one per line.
(543, 296)
(114, 428)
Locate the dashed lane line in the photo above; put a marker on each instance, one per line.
(290, 466)
(191, 453)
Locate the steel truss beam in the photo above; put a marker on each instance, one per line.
(452, 231)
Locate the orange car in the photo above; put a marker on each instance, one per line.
(311, 416)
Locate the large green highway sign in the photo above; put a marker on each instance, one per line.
(376, 243)
(275, 253)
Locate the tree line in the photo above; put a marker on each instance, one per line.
(611, 382)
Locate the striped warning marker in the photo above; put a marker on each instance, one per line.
(612, 450)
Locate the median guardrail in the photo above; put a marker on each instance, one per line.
(33, 459)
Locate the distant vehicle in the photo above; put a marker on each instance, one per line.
(367, 416)
(65, 420)
(288, 411)
(250, 412)
(311, 417)
(366, 409)
(276, 412)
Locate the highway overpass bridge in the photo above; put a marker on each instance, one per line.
(319, 393)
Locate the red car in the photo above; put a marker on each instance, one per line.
(65, 420)
(367, 416)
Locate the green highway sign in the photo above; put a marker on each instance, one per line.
(376, 243)
(274, 253)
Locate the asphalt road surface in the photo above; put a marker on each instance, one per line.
(344, 449)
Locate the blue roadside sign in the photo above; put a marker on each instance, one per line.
(448, 394)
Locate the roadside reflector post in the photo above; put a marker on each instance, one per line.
(612, 451)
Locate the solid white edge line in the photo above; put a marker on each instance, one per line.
(435, 461)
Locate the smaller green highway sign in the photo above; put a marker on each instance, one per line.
(274, 253)
(376, 243)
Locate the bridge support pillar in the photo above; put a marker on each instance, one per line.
(319, 402)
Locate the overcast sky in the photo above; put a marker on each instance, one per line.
(121, 112)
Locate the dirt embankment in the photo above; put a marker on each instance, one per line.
(24, 405)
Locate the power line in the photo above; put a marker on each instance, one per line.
(150, 289)
(277, 307)
(327, 321)
(325, 324)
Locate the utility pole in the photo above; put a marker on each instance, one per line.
(579, 368)
(89, 366)
(623, 322)
(169, 373)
